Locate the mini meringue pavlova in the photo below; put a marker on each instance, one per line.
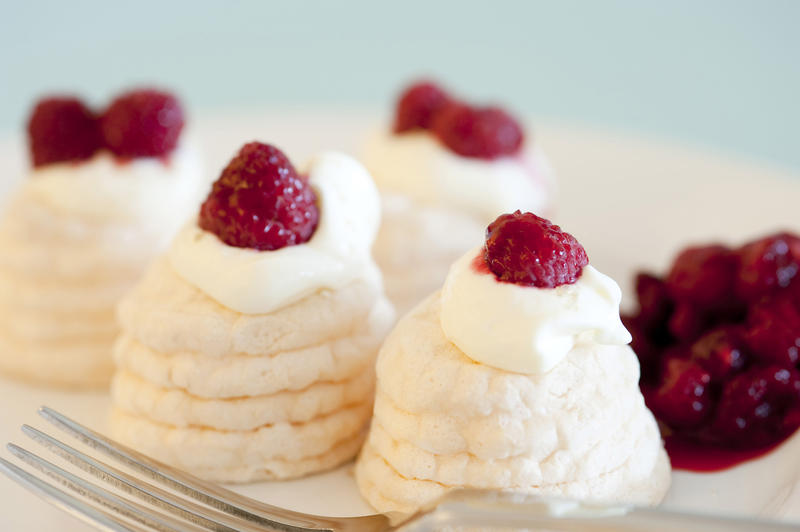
(515, 376)
(445, 170)
(248, 351)
(105, 195)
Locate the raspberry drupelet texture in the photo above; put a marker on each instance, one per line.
(753, 406)
(767, 265)
(704, 275)
(721, 352)
(773, 329)
(260, 201)
(417, 106)
(527, 250)
(62, 129)
(479, 132)
(683, 398)
(142, 123)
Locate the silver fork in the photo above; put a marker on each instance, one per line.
(186, 503)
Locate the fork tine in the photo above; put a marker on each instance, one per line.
(66, 502)
(186, 509)
(215, 496)
(129, 509)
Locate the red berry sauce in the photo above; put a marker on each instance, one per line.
(524, 249)
(479, 265)
(260, 201)
(718, 340)
(690, 455)
(467, 130)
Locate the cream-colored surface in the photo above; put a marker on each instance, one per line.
(276, 451)
(526, 329)
(417, 166)
(443, 421)
(74, 239)
(242, 397)
(169, 315)
(177, 407)
(144, 192)
(74, 364)
(416, 245)
(61, 276)
(238, 375)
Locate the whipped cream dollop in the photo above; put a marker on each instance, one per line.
(416, 165)
(256, 282)
(148, 192)
(523, 328)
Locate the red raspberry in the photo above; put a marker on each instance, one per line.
(683, 398)
(480, 132)
(62, 129)
(260, 201)
(703, 275)
(720, 352)
(767, 265)
(142, 123)
(687, 322)
(417, 106)
(655, 305)
(752, 406)
(641, 344)
(773, 332)
(527, 250)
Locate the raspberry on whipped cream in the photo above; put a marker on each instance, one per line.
(418, 105)
(62, 129)
(537, 298)
(466, 130)
(445, 169)
(527, 250)
(478, 132)
(142, 123)
(268, 236)
(139, 123)
(263, 321)
(260, 201)
(79, 233)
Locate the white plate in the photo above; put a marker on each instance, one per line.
(631, 202)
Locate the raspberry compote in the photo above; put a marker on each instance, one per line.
(718, 340)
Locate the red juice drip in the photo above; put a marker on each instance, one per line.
(689, 455)
(479, 264)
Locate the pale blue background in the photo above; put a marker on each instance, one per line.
(718, 74)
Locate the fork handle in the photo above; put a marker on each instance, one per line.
(477, 508)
